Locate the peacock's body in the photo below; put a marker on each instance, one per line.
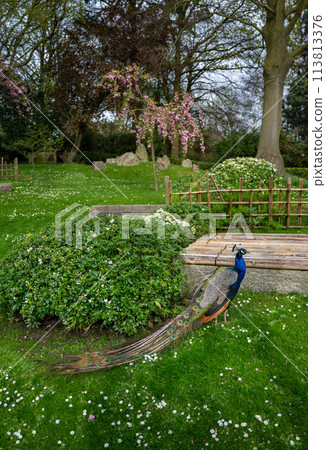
(212, 297)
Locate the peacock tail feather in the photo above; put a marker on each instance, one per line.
(173, 330)
(211, 298)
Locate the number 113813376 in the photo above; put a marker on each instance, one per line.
(317, 48)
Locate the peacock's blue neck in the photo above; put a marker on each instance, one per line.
(240, 267)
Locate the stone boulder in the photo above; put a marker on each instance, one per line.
(187, 163)
(5, 187)
(195, 168)
(97, 165)
(141, 153)
(127, 159)
(110, 161)
(163, 163)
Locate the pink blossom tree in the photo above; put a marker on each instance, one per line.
(171, 120)
(10, 85)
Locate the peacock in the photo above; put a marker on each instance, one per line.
(212, 297)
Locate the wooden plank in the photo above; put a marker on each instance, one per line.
(292, 264)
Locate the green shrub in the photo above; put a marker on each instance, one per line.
(301, 172)
(237, 144)
(252, 170)
(294, 151)
(198, 224)
(123, 283)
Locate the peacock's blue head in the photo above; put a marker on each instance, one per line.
(241, 252)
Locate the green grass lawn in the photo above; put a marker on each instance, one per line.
(43, 192)
(48, 189)
(224, 387)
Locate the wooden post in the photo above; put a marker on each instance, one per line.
(259, 197)
(300, 202)
(199, 191)
(167, 196)
(170, 188)
(250, 205)
(208, 194)
(230, 205)
(240, 189)
(16, 169)
(6, 169)
(288, 202)
(280, 204)
(270, 202)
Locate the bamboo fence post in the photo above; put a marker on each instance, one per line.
(288, 202)
(270, 202)
(280, 204)
(16, 169)
(240, 189)
(6, 169)
(208, 194)
(250, 205)
(216, 187)
(167, 199)
(199, 191)
(259, 196)
(300, 202)
(230, 205)
(170, 189)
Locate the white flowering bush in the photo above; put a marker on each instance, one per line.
(252, 170)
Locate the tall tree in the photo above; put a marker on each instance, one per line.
(274, 21)
(201, 44)
(295, 111)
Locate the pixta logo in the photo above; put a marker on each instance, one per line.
(77, 215)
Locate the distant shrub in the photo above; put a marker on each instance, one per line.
(252, 170)
(237, 144)
(301, 172)
(294, 151)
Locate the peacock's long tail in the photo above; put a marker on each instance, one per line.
(171, 331)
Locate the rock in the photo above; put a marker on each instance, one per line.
(195, 168)
(187, 163)
(110, 161)
(5, 187)
(141, 153)
(163, 163)
(97, 165)
(127, 159)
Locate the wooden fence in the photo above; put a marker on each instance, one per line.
(9, 171)
(283, 205)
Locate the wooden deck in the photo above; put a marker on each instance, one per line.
(266, 251)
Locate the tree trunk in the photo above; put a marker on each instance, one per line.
(276, 66)
(268, 147)
(153, 161)
(73, 152)
(175, 148)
